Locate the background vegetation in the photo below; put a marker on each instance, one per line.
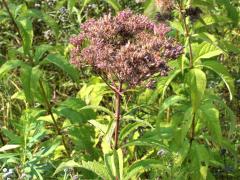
(58, 122)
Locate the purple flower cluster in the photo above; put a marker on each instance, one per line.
(128, 47)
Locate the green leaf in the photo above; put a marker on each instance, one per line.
(170, 101)
(115, 4)
(150, 8)
(74, 110)
(64, 65)
(211, 118)
(119, 155)
(9, 147)
(40, 51)
(141, 166)
(71, 4)
(97, 168)
(46, 18)
(26, 31)
(145, 142)
(64, 165)
(205, 50)
(222, 72)
(10, 65)
(114, 164)
(128, 129)
(232, 11)
(182, 131)
(196, 79)
(30, 78)
(171, 77)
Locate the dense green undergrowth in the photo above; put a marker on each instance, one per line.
(58, 122)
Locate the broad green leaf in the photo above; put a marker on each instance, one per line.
(205, 51)
(62, 63)
(97, 168)
(64, 165)
(141, 166)
(10, 65)
(196, 79)
(222, 72)
(115, 4)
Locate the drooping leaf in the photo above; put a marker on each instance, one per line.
(222, 72)
(62, 63)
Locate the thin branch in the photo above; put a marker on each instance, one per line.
(49, 109)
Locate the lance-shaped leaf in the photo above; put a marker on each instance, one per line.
(196, 79)
(205, 50)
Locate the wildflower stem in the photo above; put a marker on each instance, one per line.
(188, 37)
(49, 109)
(117, 114)
(187, 34)
(12, 18)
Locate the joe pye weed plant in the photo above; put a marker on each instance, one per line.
(141, 93)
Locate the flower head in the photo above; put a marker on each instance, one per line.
(128, 47)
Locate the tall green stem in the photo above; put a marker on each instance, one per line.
(188, 37)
